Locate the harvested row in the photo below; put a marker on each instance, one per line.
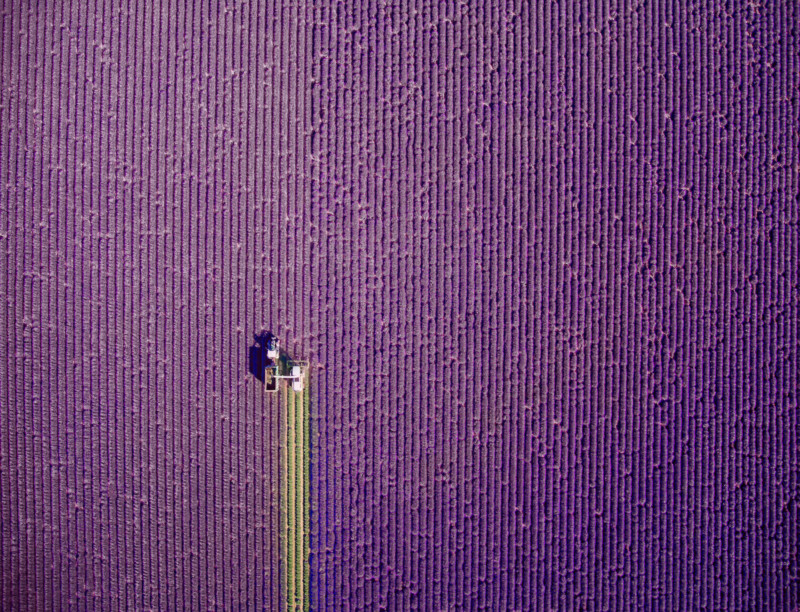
(295, 505)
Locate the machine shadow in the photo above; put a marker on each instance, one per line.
(257, 355)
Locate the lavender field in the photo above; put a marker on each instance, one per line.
(542, 257)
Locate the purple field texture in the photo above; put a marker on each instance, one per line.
(543, 258)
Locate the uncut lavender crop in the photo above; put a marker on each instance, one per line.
(541, 257)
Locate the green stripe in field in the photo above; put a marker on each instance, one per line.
(295, 456)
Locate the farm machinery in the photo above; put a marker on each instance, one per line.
(280, 367)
